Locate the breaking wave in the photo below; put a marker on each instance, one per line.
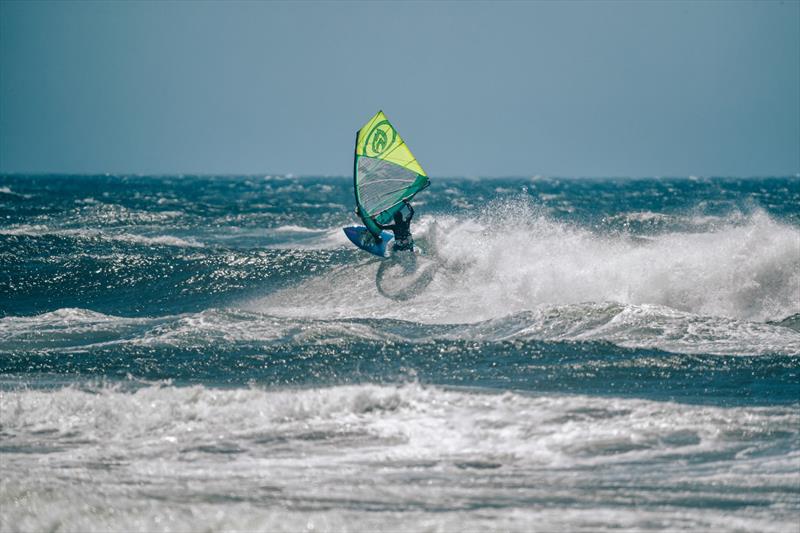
(342, 458)
(514, 258)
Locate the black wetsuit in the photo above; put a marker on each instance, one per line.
(402, 232)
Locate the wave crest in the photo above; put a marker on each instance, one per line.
(514, 258)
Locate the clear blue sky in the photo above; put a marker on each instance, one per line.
(477, 89)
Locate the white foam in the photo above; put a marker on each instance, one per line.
(311, 239)
(644, 216)
(39, 230)
(363, 457)
(164, 240)
(412, 420)
(24, 229)
(8, 191)
(516, 259)
(76, 330)
(67, 329)
(659, 327)
(292, 228)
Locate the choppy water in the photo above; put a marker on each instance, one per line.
(209, 353)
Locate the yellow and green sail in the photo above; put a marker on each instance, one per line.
(385, 172)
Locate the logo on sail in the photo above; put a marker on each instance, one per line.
(379, 139)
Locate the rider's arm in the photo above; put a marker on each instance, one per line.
(410, 211)
(385, 226)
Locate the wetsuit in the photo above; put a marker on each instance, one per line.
(402, 231)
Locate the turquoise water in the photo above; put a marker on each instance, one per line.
(180, 353)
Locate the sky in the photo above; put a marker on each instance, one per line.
(476, 89)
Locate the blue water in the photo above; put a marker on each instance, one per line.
(184, 353)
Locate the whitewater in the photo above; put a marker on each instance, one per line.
(186, 353)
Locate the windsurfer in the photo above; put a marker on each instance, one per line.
(401, 229)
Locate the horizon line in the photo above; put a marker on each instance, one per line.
(291, 175)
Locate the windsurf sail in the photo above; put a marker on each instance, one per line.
(385, 173)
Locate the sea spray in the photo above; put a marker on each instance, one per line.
(514, 258)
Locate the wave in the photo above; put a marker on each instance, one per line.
(30, 230)
(792, 322)
(293, 237)
(9, 192)
(514, 258)
(644, 326)
(120, 413)
(162, 240)
(293, 228)
(38, 230)
(353, 457)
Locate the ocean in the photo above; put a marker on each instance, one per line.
(196, 353)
